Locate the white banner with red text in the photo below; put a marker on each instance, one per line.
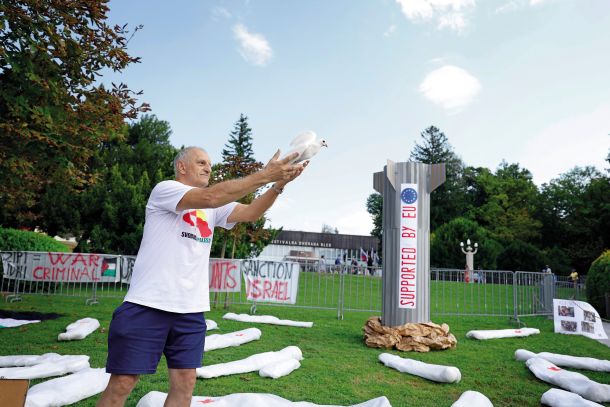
(271, 281)
(60, 267)
(407, 275)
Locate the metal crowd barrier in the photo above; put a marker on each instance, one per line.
(344, 287)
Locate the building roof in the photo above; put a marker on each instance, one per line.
(330, 240)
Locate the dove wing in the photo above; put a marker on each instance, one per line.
(304, 138)
(308, 152)
(297, 149)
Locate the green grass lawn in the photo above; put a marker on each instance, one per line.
(338, 368)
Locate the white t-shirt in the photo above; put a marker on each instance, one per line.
(171, 270)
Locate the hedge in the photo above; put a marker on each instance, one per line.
(598, 283)
(21, 240)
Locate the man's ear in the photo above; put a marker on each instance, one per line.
(181, 167)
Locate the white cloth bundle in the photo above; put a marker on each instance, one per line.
(79, 329)
(51, 367)
(156, 399)
(12, 323)
(280, 369)
(266, 319)
(472, 399)
(502, 333)
(250, 364)
(219, 341)
(572, 381)
(210, 325)
(437, 373)
(575, 362)
(68, 389)
(562, 398)
(27, 360)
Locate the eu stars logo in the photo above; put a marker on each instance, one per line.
(408, 196)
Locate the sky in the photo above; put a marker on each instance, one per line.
(524, 81)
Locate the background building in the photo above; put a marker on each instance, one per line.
(309, 247)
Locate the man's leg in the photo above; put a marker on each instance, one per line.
(181, 386)
(118, 389)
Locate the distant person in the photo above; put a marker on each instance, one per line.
(574, 278)
(369, 263)
(322, 264)
(163, 312)
(466, 274)
(354, 266)
(547, 269)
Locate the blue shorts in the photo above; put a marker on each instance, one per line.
(138, 335)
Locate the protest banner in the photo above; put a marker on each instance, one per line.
(224, 276)
(271, 281)
(60, 267)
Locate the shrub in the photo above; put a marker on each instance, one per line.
(20, 240)
(520, 256)
(598, 283)
(445, 250)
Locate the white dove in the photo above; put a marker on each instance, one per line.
(306, 145)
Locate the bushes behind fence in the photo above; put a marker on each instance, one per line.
(598, 284)
(22, 240)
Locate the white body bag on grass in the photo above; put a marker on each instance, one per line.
(79, 329)
(210, 325)
(575, 362)
(437, 373)
(572, 381)
(219, 341)
(266, 319)
(502, 333)
(12, 323)
(562, 398)
(472, 399)
(29, 360)
(68, 389)
(280, 369)
(252, 363)
(50, 367)
(156, 399)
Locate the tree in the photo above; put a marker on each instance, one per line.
(575, 210)
(598, 283)
(521, 256)
(505, 202)
(445, 250)
(448, 200)
(329, 229)
(238, 149)
(374, 206)
(54, 113)
(247, 239)
(113, 210)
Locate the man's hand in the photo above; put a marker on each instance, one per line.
(278, 170)
(299, 170)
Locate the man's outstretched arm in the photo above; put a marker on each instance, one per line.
(228, 191)
(256, 209)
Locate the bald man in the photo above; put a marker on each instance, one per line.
(163, 311)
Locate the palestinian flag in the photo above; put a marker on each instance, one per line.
(109, 268)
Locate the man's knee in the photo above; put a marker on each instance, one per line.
(118, 389)
(122, 384)
(183, 380)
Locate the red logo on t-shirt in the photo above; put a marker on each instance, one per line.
(198, 218)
